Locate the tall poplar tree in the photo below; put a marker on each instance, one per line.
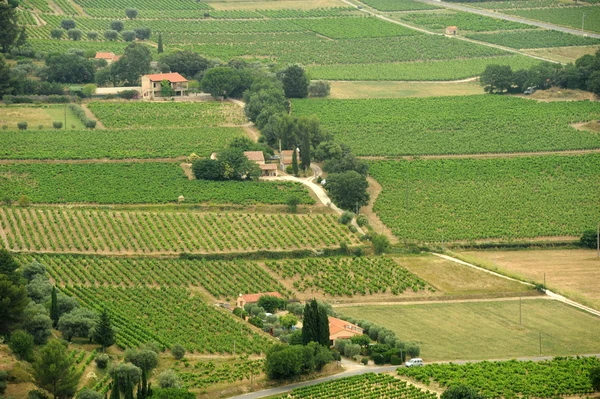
(160, 43)
(295, 162)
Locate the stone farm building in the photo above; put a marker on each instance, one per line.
(253, 298)
(151, 84)
(341, 329)
(452, 30)
(109, 57)
(286, 156)
(266, 169)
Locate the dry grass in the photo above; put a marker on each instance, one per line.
(574, 273)
(275, 4)
(345, 90)
(563, 54)
(35, 116)
(487, 330)
(558, 94)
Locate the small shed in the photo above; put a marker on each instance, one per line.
(452, 30)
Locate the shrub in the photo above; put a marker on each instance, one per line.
(172, 393)
(129, 94)
(92, 35)
(168, 379)
(595, 378)
(21, 343)
(381, 243)
(22, 125)
(589, 239)
(319, 88)
(379, 359)
(351, 350)
(239, 312)
(292, 203)
(117, 26)
(67, 24)
(4, 127)
(131, 13)
(24, 200)
(413, 350)
(128, 35)
(90, 123)
(57, 33)
(395, 360)
(346, 217)
(74, 34)
(40, 126)
(364, 360)
(57, 125)
(362, 220)
(111, 34)
(142, 33)
(36, 395)
(102, 361)
(178, 351)
(352, 228)
(256, 321)
(89, 89)
(87, 393)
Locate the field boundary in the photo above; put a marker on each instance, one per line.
(482, 155)
(552, 295)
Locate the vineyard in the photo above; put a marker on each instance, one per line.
(134, 183)
(567, 16)
(348, 276)
(453, 125)
(398, 5)
(466, 21)
(168, 316)
(206, 374)
(151, 115)
(112, 232)
(513, 379)
(504, 198)
(366, 386)
(534, 39)
(501, 5)
(354, 28)
(134, 143)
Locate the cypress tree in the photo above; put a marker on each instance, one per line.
(129, 389)
(305, 152)
(114, 393)
(160, 43)
(323, 327)
(144, 391)
(295, 162)
(104, 333)
(54, 315)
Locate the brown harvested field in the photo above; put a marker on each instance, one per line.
(573, 273)
(349, 90)
(275, 4)
(563, 54)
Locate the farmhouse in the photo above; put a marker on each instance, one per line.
(451, 30)
(265, 168)
(151, 84)
(253, 298)
(285, 157)
(341, 329)
(109, 57)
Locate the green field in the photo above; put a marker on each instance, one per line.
(503, 198)
(453, 125)
(133, 183)
(170, 114)
(121, 144)
(487, 330)
(525, 39)
(566, 16)
(36, 116)
(398, 5)
(464, 20)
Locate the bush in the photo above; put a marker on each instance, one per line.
(117, 26)
(87, 393)
(381, 243)
(589, 239)
(22, 125)
(24, 200)
(172, 393)
(168, 379)
(67, 24)
(319, 88)
(362, 220)
(292, 203)
(90, 123)
(461, 392)
(80, 113)
(351, 350)
(413, 350)
(102, 361)
(21, 343)
(36, 395)
(128, 35)
(89, 89)
(131, 13)
(239, 312)
(256, 321)
(595, 378)
(111, 34)
(364, 360)
(40, 126)
(74, 34)
(4, 127)
(57, 125)
(379, 359)
(129, 94)
(178, 351)
(352, 228)
(395, 360)
(92, 35)
(346, 217)
(57, 33)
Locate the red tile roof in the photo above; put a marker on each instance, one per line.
(268, 166)
(338, 325)
(172, 77)
(253, 298)
(105, 56)
(286, 156)
(255, 156)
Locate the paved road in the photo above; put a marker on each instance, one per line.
(493, 14)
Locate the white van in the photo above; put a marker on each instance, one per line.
(416, 362)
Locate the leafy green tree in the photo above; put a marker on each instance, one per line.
(142, 33)
(3, 381)
(87, 393)
(114, 389)
(345, 164)
(39, 288)
(348, 190)
(595, 378)
(292, 202)
(496, 78)
(125, 377)
(362, 340)
(145, 359)
(13, 301)
(315, 324)
(284, 361)
(57, 33)
(288, 321)
(589, 239)
(189, 64)
(32, 269)
(160, 44)
(165, 89)
(169, 379)
(6, 86)
(104, 333)
(128, 35)
(271, 303)
(9, 27)
(461, 392)
(80, 322)
(134, 63)
(111, 35)
(208, 169)
(8, 265)
(117, 26)
(593, 83)
(178, 351)
(67, 24)
(131, 13)
(53, 370)
(21, 343)
(74, 34)
(237, 166)
(220, 81)
(54, 314)
(69, 68)
(172, 393)
(295, 82)
(381, 244)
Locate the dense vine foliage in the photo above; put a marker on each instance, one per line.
(464, 20)
(561, 376)
(205, 374)
(523, 39)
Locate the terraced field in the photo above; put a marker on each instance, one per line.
(453, 125)
(504, 198)
(109, 232)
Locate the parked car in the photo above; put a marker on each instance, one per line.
(415, 362)
(530, 90)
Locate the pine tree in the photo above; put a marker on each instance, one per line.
(104, 333)
(114, 393)
(295, 162)
(160, 43)
(54, 315)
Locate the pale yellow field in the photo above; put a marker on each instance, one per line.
(402, 89)
(574, 273)
(563, 54)
(10, 116)
(275, 4)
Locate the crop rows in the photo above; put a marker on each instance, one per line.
(454, 125)
(465, 21)
(134, 183)
(176, 114)
(310, 13)
(229, 14)
(41, 5)
(561, 376)
(134, 143)
(110, 232)
(366, 386)
(398, 5)
(354, 28)
(515, 4)
(168, 316)
(43, 43)
(534, 39)
(223, 279)
(348, 276)
(146, 4)
(26, 18)
(419, 70)
(503, 198)
(567, 16)
(66, 6)
(208, 373)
